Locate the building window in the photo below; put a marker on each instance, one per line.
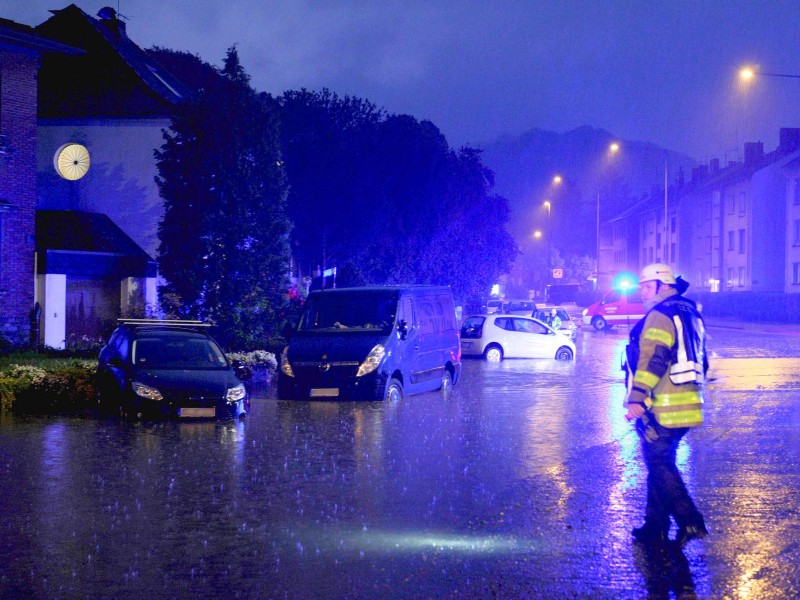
(741, 241)
(796, 273)
(730, 277)
(650, 254)
(644, 256)
(741, 276)
(658, 240)
(729, 201)
(742, 203)
(672, 252)
(730, 241)
(796, 232)
(619, 257)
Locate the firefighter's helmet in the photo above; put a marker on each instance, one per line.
(657, 272)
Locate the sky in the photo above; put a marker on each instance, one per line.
(663, 72)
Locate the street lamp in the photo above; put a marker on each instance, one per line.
(613, 148)
(549, 238)
(748, 73)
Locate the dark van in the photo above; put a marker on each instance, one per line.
(372, 343)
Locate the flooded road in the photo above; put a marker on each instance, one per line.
(523, 482)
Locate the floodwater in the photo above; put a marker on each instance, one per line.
(523, 482)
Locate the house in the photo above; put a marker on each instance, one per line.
(21, 52)
(727, 229)
(100, 118)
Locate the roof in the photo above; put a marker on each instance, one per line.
(24, 37)
(114, 76)
(78, 231)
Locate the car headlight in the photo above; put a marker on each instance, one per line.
(585, 311)
(286, 368)
(235, 394)
(372, 361)
(145, 391)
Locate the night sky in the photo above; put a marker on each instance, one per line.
(661, 72)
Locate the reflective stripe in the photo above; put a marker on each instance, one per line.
(687, 418)
(686, 372)
(682, 409)
(679, 333)
(646, 378)
(679, 399)
(659, 335)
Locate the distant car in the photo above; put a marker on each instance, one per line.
(153, 369)
(500, 336)
(568, 326)
(518, 307)
(493, 305)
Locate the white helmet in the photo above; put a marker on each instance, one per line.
(553, 312)
(657, 272)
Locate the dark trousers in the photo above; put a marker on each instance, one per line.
(667, 495)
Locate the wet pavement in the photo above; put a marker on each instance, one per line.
(523, 482)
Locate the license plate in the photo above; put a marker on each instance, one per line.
(196, 412)
(324, 392)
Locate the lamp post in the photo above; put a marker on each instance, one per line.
(549, 238)
(613, 148)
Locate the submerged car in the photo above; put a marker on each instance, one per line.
(152, 369)
(500, 336)
(372, 343)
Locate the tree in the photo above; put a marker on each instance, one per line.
(385, 199)
(224, 236)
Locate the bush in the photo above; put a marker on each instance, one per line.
(65, 387)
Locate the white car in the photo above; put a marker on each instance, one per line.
(499, 336)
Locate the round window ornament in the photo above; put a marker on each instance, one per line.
(71, 161)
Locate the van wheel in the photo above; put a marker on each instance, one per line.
(493, 353)
(447, 381)
(394, 391)
(564, 353)
(599, 323)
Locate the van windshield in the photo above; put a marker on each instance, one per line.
(357, 311)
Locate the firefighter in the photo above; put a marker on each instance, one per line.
(667, 358)
(554, 320)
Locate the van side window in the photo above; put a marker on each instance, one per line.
(635, 297)
(612, 297)
(427, 321)
(446, 318)
(405, 311)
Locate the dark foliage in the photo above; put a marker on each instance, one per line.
(224, 236)
(385, 199)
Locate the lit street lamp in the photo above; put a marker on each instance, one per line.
(549, 238)
(748, 73)
(613, 148)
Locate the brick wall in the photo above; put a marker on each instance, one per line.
(18, 188)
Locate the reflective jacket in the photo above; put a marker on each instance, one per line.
(667, 351)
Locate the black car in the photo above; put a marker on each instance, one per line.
(153, 369)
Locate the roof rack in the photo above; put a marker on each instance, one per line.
(164, 322)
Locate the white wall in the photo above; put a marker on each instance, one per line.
(52, 297)
(120, 182)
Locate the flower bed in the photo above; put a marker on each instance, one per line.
(64, 386)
